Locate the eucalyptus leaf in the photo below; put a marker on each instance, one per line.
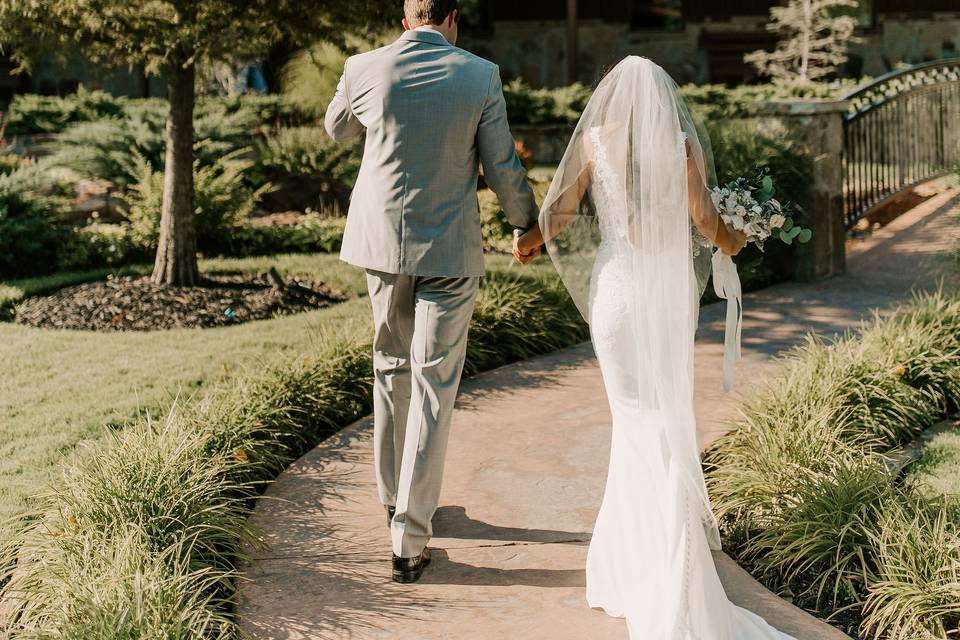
(788, 224)
(804, 236)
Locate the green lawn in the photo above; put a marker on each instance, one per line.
(61, 388)
(937, 472)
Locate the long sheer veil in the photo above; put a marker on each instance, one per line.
(623, 184)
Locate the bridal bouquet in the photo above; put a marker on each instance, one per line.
(748, 205)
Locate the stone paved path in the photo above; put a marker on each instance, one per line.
(524, 479)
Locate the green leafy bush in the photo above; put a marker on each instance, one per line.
(497, 232)
(564, 105)
(739, 149)
(221, 200)
(545, 106)
(29, 234)
(822, 547)
(32, 114)
(312, 233)
(99, 245)
(716, 101)
(311, 75)
(114, 148)
(109, 148)
(305, 151)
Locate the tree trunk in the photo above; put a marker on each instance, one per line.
(176, 262)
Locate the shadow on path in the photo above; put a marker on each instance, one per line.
(448, 572)
(453, 522)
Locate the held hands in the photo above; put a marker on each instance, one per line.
(526, 246)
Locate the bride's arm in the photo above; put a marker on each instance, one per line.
(705, 215)
(563, 212)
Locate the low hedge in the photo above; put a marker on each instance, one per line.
(312, 233)
(801, 489)
(31, 114)
(564, 105)
(142, 537)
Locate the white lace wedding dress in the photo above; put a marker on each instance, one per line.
(631, 261)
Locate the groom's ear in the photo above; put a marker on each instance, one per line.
(406, 25)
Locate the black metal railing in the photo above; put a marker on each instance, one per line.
(900, 130)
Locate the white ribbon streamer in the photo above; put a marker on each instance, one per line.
(726, 283)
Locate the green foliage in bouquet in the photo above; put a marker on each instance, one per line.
(789, 231)
(748, 204)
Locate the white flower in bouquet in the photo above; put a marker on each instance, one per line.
(777, 220)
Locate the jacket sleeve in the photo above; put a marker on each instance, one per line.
(501, 166)
(340, 122)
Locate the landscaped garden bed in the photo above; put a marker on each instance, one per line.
(802, 485)
(136, 304)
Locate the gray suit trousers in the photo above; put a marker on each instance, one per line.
(420, 343)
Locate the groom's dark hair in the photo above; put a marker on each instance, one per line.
(419, 12)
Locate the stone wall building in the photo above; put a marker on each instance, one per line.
(694, 40)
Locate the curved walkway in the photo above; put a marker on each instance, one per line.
(524, 478)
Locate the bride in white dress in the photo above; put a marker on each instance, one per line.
(629, 224)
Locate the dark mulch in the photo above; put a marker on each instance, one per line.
(136, 304)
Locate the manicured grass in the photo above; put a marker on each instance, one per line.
(60, 388)
(937, 472)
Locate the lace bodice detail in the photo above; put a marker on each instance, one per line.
(606, 183)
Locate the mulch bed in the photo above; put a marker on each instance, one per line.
(136, 304)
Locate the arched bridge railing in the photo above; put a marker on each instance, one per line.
(901, 129)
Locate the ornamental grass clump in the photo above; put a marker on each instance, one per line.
(123, 590)
(916, 593)
(821, 548)
(757, 476)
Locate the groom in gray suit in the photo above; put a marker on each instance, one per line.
(432, 113)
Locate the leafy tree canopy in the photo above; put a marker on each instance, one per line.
(157, 33)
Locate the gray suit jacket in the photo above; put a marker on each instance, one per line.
(432, 113)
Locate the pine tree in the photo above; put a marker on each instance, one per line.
(171, 38)
(814, 36)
